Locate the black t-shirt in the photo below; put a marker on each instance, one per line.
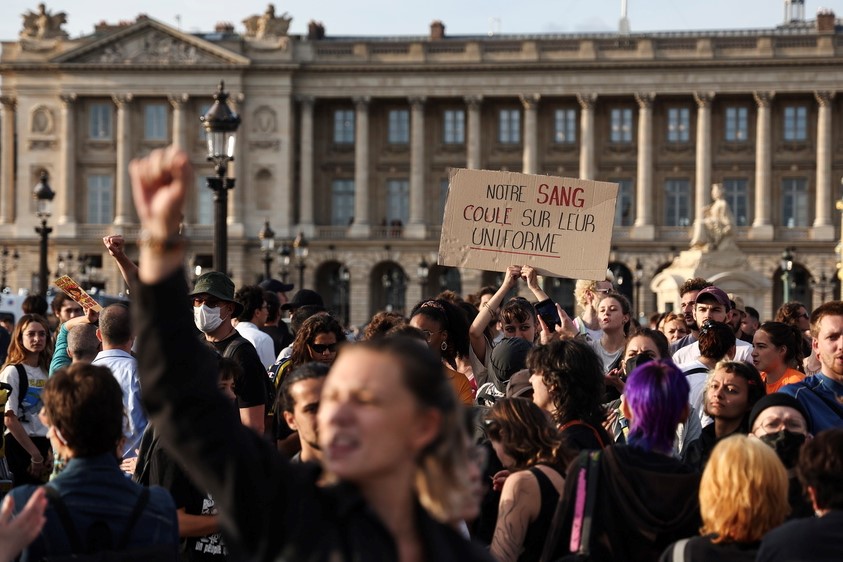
(280, 334)
(701, 549)
(165, 472)
(249, 388)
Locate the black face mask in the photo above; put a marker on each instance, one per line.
(786, 444)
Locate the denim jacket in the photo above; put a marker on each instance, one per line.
(95, 489)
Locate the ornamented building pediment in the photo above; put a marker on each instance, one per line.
(149, 42)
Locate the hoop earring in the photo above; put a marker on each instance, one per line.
(444, 346)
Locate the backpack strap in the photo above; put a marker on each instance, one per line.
(72, 533)
(233, 347)
(65, 519)
(23, 389)
(140, 505)
(696, 371)
(678, 552)
(570, 423)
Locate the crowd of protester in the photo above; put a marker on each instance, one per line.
(199, 424)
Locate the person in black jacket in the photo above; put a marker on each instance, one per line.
(388, 424)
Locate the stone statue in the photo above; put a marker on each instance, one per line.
(267, 25)
(43, 25)
(716, 230)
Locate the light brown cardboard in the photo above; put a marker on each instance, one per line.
(560, 226)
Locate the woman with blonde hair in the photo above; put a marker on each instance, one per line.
(743, 494)
(24, 375)
(388, 423)
(529, 445)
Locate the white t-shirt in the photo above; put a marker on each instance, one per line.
(32, 404)
(689, 353)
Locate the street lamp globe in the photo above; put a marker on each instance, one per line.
(43, 195)
(221, 125)
(267, 238)
(300, 247)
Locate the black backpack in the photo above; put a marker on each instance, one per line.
(99, 545)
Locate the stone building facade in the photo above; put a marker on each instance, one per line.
(348, 140)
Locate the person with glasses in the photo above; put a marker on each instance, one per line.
(777, 353)
(214, 306)
(445, 328)
(780, 421)
(795, 314)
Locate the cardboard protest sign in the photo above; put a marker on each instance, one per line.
(560, 226)
(73, 290)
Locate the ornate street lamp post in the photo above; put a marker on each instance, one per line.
(423, 274)
(220, 124)
(44, 196)
(786, 264)
(284, 253)
(267, 238)
(300, 249)
(639, 275)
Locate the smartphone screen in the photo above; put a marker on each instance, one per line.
(547, 310)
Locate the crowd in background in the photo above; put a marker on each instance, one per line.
(199, 423)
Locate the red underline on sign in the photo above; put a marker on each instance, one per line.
(517, 253)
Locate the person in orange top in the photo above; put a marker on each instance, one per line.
(777, 353)
(445, 327)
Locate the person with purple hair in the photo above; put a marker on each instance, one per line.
(645, 498)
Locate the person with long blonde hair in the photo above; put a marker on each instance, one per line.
(743, 494)
(27, 447)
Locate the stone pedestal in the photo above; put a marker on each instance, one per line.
(727, 269)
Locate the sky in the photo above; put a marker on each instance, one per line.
(410, 17)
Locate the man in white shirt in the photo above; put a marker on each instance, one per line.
(250, 321)
(711, 304)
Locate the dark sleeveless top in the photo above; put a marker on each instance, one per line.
(537, 530)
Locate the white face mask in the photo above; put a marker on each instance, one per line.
(207, 319)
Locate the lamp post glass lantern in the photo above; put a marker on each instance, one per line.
(220, 124)
(44, 197)
(267, 238)
(786, 265)
(423, 273)
(284, 252)
(300, 249)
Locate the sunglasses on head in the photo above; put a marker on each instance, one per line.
(323, 347)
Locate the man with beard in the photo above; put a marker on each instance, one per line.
(688, 295)
(299, 400)
(821, 394)
(780, 421)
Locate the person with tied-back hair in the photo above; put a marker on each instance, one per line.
(530, 447)
(731, 391)
(795, 314)
(446, 331)
(645, 498)
(567, 381)
(389, 424)
(614, 314)
(777, 353)
(743, 495)
(820, 470)
(381, 323)
(83, 411)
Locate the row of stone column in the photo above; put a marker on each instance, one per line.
(123, 135)
(644, 223)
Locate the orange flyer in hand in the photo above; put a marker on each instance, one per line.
(77, 293)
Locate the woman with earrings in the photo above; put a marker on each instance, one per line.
(24, 375)
(92, 505)
(446, 330)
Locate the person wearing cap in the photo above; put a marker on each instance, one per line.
(274, 327)
(305, 297)
(213, 308)
(711, 304)
(277, 287)
(506, 359)
(821, 394)
(780, 421)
